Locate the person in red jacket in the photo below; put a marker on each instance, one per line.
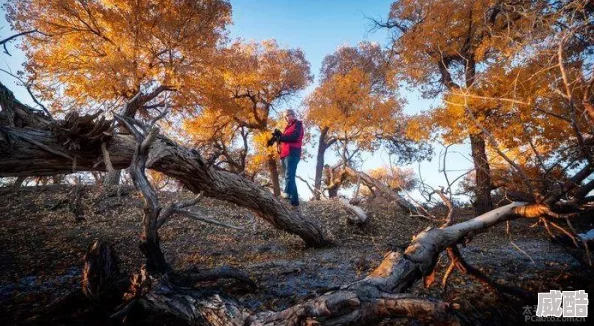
(291, 141)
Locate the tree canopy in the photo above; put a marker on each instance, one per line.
(102, 53)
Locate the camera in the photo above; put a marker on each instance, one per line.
(276, 134)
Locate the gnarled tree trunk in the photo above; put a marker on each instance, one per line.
(112, 178)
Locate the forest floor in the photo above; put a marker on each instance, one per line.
(42, 248)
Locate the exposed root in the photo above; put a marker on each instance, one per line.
(457, 259)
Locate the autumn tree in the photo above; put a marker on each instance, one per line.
(353, 102)
(356, 107)
(239, 109)
(531, 103)
(444, 46)
(104, 54)
(33, 144)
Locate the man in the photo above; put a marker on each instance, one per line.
(290, 153)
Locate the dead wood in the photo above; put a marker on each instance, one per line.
(152, 296)
(383, 189)
(195, 275)
(358, 215)
(101, 273)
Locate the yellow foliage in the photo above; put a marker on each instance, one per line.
(96, 51)
(355, 101)
(252, 78)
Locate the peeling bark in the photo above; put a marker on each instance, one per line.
(151, 296)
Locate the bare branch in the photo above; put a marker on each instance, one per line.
(28, 87)
(149, 140)
(129, 124)
(171, 209)
(10, 38)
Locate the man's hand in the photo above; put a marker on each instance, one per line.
(277, 133)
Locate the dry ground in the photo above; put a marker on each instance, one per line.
(42, 250)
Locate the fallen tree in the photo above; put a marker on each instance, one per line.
(33, 144)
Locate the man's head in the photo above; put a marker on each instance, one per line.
(289, 116)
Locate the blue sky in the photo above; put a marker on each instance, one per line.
(318, 28)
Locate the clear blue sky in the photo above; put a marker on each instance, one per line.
(318, 28)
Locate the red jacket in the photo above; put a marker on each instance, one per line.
(292, 139)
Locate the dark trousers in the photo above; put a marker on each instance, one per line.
(290, 167)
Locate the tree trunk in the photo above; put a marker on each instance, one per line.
(323, 144)
(273, 170)
(19, 181)
(333, 192)
(57, 179)
(38, 152)
(112, 178)
(151, 249)
(483, 201)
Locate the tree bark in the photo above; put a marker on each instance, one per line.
(112, 178)
(483, 202)
(38, 152)
(274, 177)
(19, 181)
(101, 272)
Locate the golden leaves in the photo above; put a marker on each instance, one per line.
(355, 100)
(105, 50)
